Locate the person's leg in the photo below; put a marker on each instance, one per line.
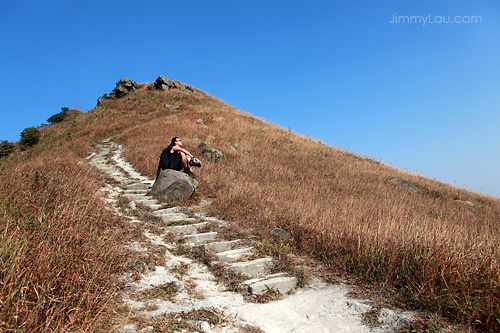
(185, 163)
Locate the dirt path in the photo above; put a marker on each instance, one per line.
(176, 284)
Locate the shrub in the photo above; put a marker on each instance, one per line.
(6, 148)
(29, 137)
(58, 117)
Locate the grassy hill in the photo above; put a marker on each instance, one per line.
(61, 249)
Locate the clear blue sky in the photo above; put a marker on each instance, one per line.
(423, 96)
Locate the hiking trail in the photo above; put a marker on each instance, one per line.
(317, 307)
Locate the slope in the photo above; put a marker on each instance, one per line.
(339, 207)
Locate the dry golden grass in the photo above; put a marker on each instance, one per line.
(60, 248)
(340, 208)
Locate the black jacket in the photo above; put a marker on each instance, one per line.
(165, 160)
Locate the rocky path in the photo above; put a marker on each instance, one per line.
(171, 284)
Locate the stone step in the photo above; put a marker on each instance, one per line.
(147, 202)
(106, 167)
(217, 246)
(186, 229)
(144, 191)
(155, 207)
(201, 238)
(175, 217)
(137, 186)
(255, 268)
(138, 197)
(98, 163)
(123, 180)
(248, 282)
(283, 284)
(115, 174)
(183, 210)
(233, 255)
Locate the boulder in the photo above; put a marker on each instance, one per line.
(179, 85)
(129, 85)
(282, 233)
(163, 81)
(210, 153)
(405, 184)
(102, 100)
(120, 91)
(123, 87)
(172, 184)
(172, 108)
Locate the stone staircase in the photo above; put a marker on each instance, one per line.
(199, 232)
(227, 252)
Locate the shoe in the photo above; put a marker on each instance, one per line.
(192, 163)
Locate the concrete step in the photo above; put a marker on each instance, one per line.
(175, 217)
(147, 202)
(137, 197)
(115, 173)
(233, 255)
(144, 191)
(106, 167)
(155, 207)
(183, 210)
(201, 238)
(248, 282)
(217, 246)
(137, 186)
(255, 268)
(123, 180)
(283, 284)
(186, 229)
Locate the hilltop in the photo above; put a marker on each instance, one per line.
(62, 250)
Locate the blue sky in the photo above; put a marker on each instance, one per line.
(423, 96)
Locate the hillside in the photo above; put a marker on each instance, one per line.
(439, 245)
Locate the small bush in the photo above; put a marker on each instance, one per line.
(58, 117)
(6, 148)
(29, 137)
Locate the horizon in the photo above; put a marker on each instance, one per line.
(421, 96)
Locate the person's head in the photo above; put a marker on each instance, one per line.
(176, 140)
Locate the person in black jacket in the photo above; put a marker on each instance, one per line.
(177, 158)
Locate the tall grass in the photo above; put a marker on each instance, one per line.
(59, 245)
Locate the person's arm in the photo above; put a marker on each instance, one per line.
(177, 148)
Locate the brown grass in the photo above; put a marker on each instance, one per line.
(58, 247)
(340, 208)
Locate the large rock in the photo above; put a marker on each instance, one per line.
(172, 184)
(210, 153)
(163, 83)
(179, 85)
(123, 87)
(406, 184)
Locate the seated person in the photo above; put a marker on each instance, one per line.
(177, 158)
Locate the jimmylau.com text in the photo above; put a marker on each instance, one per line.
(428, 19)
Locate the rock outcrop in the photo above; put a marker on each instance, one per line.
(163, 83)
(406, 184)
(210, 153)
(123, 87)
(172, 184)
